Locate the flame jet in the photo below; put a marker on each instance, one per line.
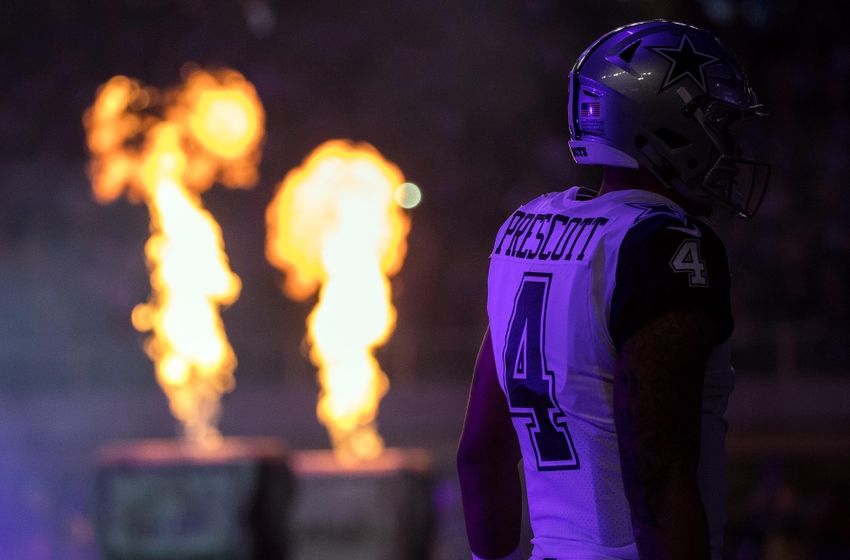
(164, 149)
(333, 226)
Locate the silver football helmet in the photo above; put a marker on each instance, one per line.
(669, 97)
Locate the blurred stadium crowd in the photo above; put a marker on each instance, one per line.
(469, 101)
(468, 98)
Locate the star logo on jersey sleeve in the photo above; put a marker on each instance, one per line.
(685, 61)
(649, 209)
(653, 209)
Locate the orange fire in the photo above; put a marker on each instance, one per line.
(164, 149)
(334, 226)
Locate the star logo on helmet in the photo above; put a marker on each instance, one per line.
(685, 61)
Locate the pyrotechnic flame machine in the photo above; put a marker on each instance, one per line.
(336, 226)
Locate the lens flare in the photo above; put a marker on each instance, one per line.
(164, 149)
(408, 195)
(334, 226)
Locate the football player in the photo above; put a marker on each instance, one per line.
(606, 368)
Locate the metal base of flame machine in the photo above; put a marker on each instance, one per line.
(164, 500)
(376, 510)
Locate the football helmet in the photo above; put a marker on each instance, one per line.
(671, 98)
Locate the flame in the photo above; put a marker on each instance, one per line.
(164, 149)
(334, 226)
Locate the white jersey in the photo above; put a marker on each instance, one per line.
(571, 278)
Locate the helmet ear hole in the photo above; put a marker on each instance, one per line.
(673, 140)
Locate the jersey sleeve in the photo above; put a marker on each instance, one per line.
(664, 263)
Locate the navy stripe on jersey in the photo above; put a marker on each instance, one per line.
(547, 237)
(667, 260)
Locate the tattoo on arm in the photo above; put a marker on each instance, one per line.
(657, 407)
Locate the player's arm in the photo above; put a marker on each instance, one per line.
(487, 460)
(670, 308)
(658, 383)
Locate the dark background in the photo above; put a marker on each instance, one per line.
(469, 99)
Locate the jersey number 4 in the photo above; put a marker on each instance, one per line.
(530, 384)
(687, 259)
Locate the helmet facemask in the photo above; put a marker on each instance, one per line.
(737, 183)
